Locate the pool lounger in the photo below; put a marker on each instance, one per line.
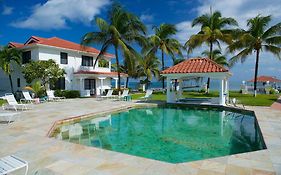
(12, 163)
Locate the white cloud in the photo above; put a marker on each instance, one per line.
(242, 10)
(146, 18)
(55, 14)
(7, 10)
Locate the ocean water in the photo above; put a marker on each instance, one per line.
(214, 85)
(169, 134)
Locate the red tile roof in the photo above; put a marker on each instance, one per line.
(101, 73)
(195, 65)
(14, 44)
(265, 79)
(58, 42)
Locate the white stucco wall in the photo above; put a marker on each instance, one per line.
(41, 52)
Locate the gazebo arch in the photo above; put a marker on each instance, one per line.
(196, 67)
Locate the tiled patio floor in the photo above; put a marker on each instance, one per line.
(27, 139)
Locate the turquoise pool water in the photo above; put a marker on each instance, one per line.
(169, 134)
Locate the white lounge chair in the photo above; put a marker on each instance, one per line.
(109, 94)
(148, 94)
(13, 104)
(124, 94)
(234, 103)
(12, 163)
(51, 96)
(27, 98)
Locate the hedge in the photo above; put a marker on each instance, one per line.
(67, 93)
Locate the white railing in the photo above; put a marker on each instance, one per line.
(91, 68)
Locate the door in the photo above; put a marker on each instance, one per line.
(90, 84)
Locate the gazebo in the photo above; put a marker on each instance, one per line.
(193, 68)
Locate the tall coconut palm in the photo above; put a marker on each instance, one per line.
(163, 40)
(8, 58)
(213, 31)
(259, 37)
(217, 57)
(118, 31)
(127, 69)
(148, 67)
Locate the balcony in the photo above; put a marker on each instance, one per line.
(97, 69)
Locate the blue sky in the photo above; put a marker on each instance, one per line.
(70, 19)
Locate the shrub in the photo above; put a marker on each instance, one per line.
(67, 93)
(272, 91)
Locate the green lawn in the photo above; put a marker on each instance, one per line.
(245, 99)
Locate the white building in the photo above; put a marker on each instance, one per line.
(77, 61)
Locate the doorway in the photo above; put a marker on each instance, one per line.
(90, 84)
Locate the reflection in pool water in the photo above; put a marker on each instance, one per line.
(168, 134)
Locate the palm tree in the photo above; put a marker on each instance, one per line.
(213, 30)
(257, 38)
(148, 67)
(128, 67)
(162, 39)
(8, 58)
(217, 57)
(118, 31)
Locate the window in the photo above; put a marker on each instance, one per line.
(18, 82)
(59, 85)
(89, 84)
(63, 58)
(26, 57)
(87, 61)
(103, 63)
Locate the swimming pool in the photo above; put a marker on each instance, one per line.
(169, 133)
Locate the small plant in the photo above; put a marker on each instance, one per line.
(37, 89)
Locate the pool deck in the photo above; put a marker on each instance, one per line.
(27, 138)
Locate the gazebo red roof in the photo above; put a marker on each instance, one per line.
(265, 79)
(195, 65)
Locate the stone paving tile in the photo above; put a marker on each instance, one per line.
(27, 138)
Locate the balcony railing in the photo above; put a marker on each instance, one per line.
(91, 68)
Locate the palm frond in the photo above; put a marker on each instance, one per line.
(276, 40)
(240, 56)
(102, 24)
(103, 50)
(274, 50)
(275, 29)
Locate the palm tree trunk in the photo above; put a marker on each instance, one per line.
(118, 70)
(11, 83)
(256, 72)
(163, 67)
(211, 53)
(211, 50)
(127, 82)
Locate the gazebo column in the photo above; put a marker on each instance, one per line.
(168, 90)
(226, 91)
(180, 89)
(222, 89)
